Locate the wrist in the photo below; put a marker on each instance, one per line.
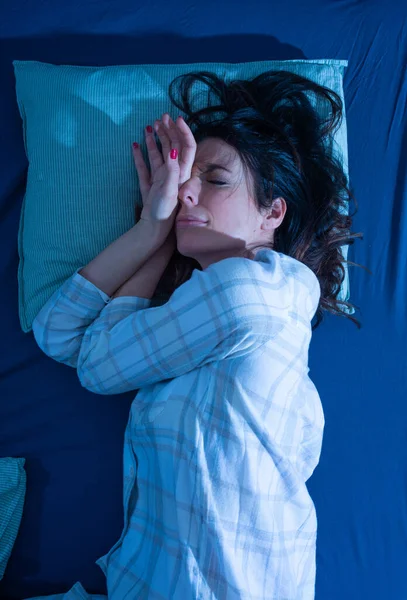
(157, 233)
(143, 283)
(123, 257)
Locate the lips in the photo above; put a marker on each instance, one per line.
(189, 223)
(183, 219)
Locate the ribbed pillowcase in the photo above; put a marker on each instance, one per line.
(12, 494)
(78, 126)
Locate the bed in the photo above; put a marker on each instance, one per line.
(72, 440)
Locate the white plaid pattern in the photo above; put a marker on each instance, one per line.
(225, 429)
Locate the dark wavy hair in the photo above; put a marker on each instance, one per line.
(282, 142)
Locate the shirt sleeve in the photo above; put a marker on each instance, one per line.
(60, 325)
(218, 313)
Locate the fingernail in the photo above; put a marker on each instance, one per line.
(135, 145)
(149, 129)
(174, 153)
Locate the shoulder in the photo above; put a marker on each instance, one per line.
(272, 279)
(303, 282)
(298, 271)
(268, 273)
(250, 286)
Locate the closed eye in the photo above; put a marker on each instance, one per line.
(216, 182)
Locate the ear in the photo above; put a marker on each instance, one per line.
(278, 210)
(275, 216)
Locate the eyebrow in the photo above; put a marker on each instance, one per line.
(213, 167)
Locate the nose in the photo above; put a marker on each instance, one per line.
(188, 192)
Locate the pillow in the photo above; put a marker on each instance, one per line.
(12, 494)
(78, 126)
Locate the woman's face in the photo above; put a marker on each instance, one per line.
(233, 222)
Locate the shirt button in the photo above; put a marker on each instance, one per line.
(131, 472)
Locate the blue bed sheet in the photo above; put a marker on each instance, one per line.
(72, 439)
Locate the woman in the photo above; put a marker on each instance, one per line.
(227, 426)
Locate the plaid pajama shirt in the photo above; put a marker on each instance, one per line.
(223, 433)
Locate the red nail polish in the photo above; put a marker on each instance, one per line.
(149, 129)
(174, 153)
(135, 145)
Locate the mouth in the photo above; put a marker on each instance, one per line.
(191, 223)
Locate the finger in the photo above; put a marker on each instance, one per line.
(154, 155)
(142, 172)
(163, 137)
(172, 132)
(171, 184)
(188, 149)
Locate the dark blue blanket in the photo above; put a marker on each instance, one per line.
(72, 439)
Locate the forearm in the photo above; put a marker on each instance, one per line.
(117, 263)
(144, 282)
